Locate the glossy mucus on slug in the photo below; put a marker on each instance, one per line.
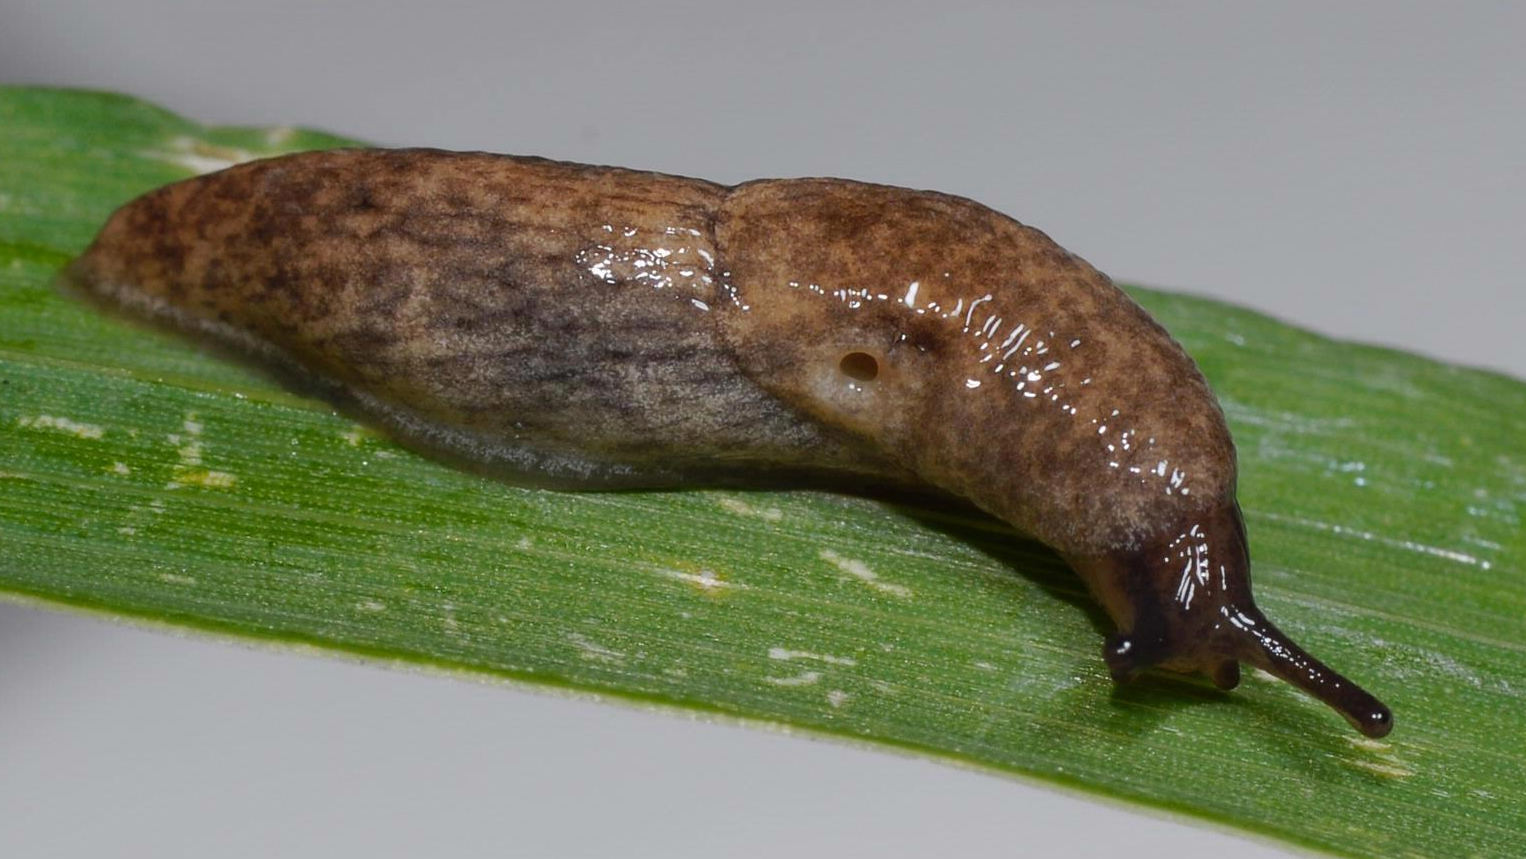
(595, 327)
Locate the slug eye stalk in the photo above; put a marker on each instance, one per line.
(1265, 647)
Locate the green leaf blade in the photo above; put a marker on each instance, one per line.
(1383, 491)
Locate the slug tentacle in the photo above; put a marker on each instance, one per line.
(1264, 646)
(592, 327)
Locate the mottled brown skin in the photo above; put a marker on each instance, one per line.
(591, 326)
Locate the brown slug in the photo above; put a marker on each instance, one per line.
(593, 326)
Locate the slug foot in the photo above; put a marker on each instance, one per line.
(1128, 654)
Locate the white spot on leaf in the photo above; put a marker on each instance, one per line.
(706, 580)
(785, 655)
(64, 425)
(188, 471)
(592, 651)
(1392, 770)
(199, 156)
(859, 570)
(804, 679)
(742, 508)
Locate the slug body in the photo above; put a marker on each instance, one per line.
(591, 326)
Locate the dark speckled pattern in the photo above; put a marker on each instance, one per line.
(592, 326)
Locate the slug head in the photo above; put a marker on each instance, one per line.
(1182, 601)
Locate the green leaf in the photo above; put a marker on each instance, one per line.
(1384, 492)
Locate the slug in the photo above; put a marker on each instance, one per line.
(585, 326)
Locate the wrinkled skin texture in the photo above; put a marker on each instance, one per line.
(590, 326)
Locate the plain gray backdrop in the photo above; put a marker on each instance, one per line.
(1358, 168)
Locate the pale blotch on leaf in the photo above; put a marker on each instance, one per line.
(199, 156)
(860, 570)
(704, 580)
(1378, 757)
(280, 135)
(804, 679)
(1391, 770)
(786, 655)
(188, 471)
(592, 651)
(742, 508)
(64, 425)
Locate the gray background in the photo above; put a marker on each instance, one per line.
(1359, 168)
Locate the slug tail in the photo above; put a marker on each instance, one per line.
(1264, 646)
